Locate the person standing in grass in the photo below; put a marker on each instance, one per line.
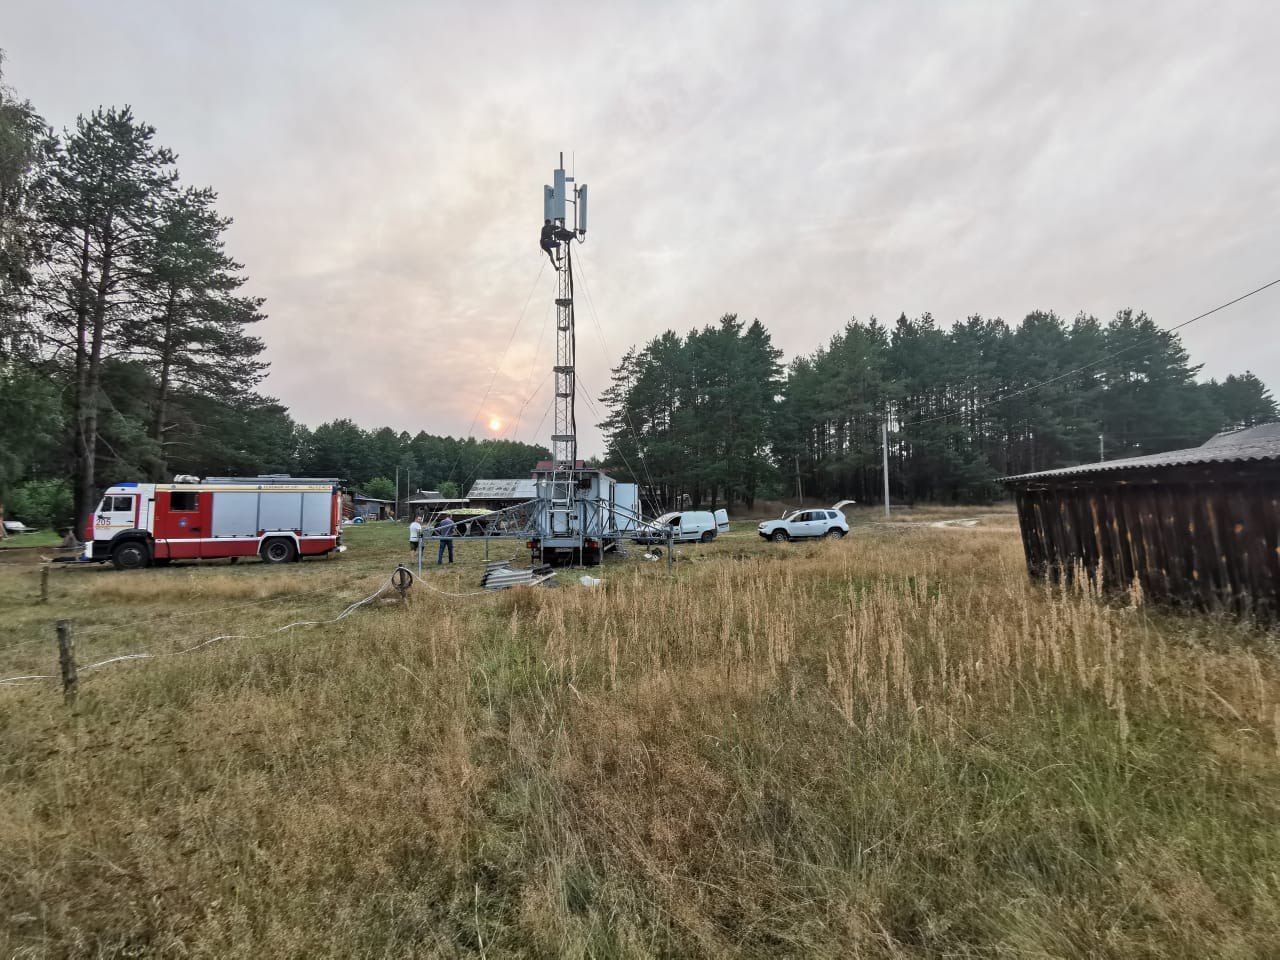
(444, 530)
(415, 533)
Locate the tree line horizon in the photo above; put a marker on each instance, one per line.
(714, 416)
(127, 352)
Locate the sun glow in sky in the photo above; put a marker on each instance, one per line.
(495, 424)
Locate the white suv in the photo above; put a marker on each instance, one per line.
(805, 523)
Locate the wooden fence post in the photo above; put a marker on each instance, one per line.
(67, 661)
(44, 583)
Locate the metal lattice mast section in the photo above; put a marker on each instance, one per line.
(564, 437)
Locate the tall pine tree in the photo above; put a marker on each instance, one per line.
(99, 203)
(194, 335)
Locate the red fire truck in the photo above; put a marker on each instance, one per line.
(277, 518)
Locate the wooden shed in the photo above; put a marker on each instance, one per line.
(1198, 527)
(372, 508)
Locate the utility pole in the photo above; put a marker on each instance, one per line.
(1101, 455)
(799, 489)
(396, 515)
(884, 443)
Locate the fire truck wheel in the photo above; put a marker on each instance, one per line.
(278, 550)
(131, 555)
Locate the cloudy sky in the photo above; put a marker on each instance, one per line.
(801, 163)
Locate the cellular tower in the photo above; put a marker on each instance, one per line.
(578, 508)
(557, 197)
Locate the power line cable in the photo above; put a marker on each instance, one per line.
(591, 404)
(626, 414)
(547, 323)
(1092, 363)
(100, 629)
(146, 655)
(474, 473)
(538, 429)
(510, 433)
(497, 367)
(534, 392)
(106, 629)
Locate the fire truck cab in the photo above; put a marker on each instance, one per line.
(280, 519)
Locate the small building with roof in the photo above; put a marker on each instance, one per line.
(1198, 527)
(430, 503)
(497, 494)
(371, 508)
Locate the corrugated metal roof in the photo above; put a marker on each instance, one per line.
(1255, 444)
(1263, 431)
(524, 489)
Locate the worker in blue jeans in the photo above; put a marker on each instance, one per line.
(444, 530)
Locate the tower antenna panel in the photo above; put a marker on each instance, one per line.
(558, 195)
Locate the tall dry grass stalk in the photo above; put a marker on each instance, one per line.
(892, 746)
(892, 646)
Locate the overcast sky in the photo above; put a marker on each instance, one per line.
(801, 163)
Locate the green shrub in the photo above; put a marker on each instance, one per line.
(42, 503)
(380, 488)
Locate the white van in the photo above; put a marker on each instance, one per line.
(686, 526)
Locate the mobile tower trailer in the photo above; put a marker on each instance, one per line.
(581, 514)
(576, 514)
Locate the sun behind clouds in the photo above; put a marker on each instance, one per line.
(495, 424)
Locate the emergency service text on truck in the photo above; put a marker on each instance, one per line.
(279, 519)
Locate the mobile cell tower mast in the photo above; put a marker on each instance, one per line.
(555, 199)
(578, 513)
(577, 507)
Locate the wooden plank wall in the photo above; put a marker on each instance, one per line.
(1207, 538)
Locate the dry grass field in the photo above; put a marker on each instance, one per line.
(890, 746)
